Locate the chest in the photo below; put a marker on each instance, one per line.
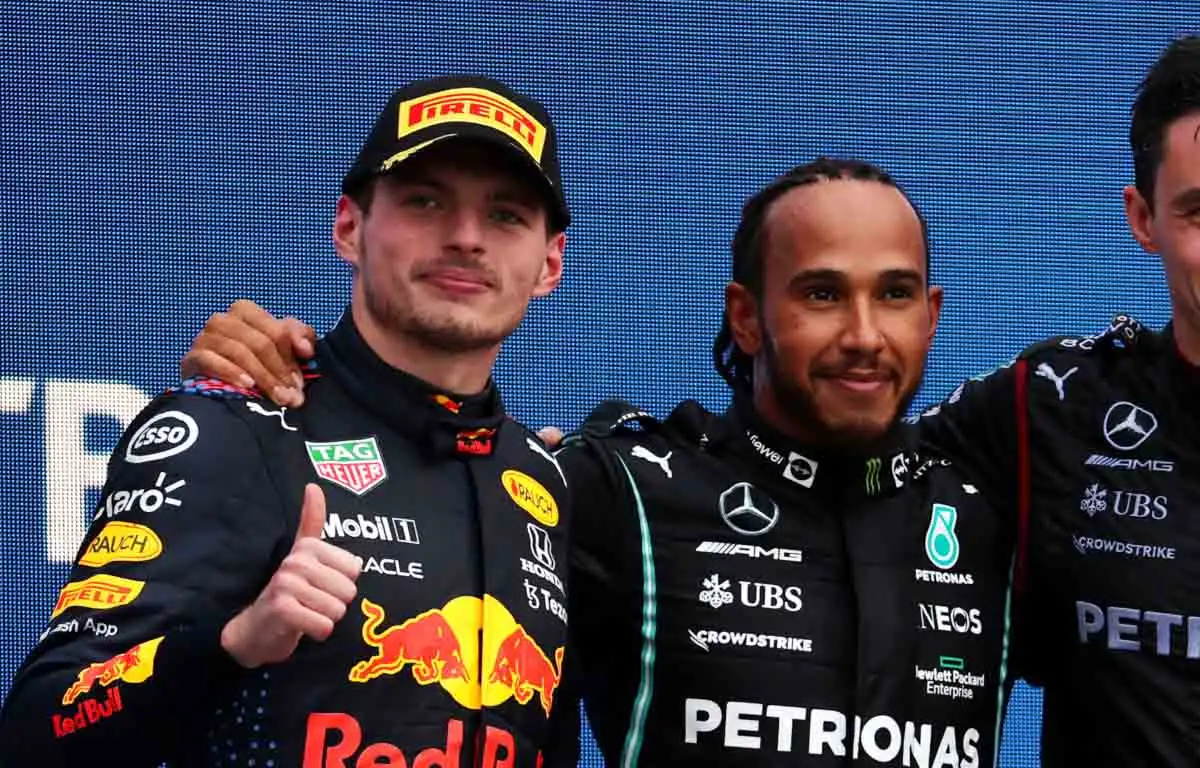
(1115, 529)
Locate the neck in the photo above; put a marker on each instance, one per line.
(457, 372)
(1187, 335)
(778, 418)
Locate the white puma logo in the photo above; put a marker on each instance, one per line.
(537, 448)
(281, 413)
(663, 462)
(1046, 372)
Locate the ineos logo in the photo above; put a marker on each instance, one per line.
(748, 510)
(1126, 426)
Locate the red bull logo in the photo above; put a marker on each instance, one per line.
(522, 666)
(475, 442)
(449, 646)
(133, 666)
(447, 402)
(427, 642)
(88, 712)
(332, 739)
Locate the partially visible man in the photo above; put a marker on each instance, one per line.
(1094, 440)
(791, 582)
(419, 621)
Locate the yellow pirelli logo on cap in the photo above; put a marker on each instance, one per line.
(478, 106)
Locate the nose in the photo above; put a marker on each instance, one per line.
(862, 334)
(465, 230)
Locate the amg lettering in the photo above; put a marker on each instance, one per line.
(1112, 462)
(880, 739)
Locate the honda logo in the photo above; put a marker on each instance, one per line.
(539, 545)
(748, 510)
(1126, 426)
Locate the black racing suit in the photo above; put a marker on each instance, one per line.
(738, 599)
(1094, 440)
(450, 654)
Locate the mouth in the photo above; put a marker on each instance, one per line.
(860, 381)
(457, 280)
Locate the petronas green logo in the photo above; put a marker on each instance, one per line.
(941, 543)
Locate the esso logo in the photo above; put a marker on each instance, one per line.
(167, 434)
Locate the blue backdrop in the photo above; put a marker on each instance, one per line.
(161, 159)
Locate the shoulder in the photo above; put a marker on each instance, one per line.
(199, 421)
(1123, 337)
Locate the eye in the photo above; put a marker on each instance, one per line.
(508, 216)
(421, 200)
(898, 293)
(819, 294)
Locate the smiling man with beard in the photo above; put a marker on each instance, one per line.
(791, 582)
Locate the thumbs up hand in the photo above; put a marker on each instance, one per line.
(307, 594)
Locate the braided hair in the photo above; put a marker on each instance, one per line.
(734, 365)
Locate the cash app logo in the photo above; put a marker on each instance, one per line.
(941, 543)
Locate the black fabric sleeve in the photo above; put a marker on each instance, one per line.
(606, 585)
(976, 428)
(188, 531)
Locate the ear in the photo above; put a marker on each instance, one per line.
(553, 265)
(742, 310)
(347, 231)
(935, 309)
(1139, 216)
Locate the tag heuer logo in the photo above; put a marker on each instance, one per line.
(353, 464)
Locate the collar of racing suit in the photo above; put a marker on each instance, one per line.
(826, 471)
(877, 470)
(436, 420)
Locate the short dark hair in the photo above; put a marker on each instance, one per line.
(1170, 90)
(734, 365)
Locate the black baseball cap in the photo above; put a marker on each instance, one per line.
(427, 112)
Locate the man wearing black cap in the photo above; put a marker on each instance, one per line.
(413, 611)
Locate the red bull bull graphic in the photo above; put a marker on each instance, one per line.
(522, 666)
(450, 645)
(427, 642)
(133, 666)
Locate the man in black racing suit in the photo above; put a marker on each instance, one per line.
(419, 618)
(1093, 441)
(742, 598)
(793, 582)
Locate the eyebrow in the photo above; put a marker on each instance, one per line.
(833, 275)
(506, 194)
(1187, 200)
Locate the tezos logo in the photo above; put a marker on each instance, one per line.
(164, 435)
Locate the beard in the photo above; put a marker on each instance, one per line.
(850, 435)
(443, 326)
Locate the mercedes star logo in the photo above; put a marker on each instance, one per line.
(744, 509)
(1126, 426)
